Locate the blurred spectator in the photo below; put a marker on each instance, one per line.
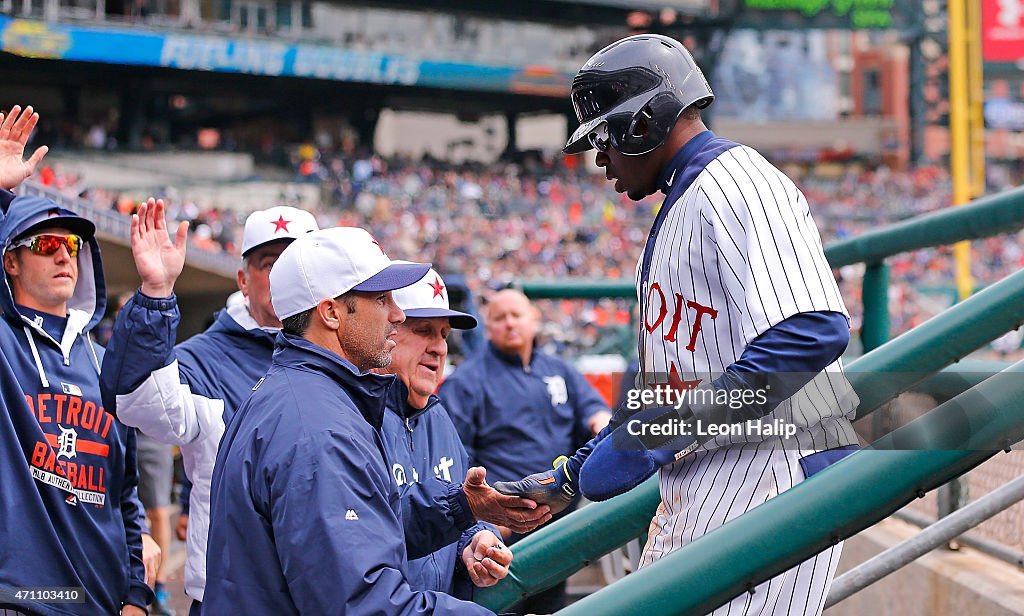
(529, 405)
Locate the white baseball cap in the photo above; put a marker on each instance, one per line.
(326, 263)
(428, 297)
(277, 223)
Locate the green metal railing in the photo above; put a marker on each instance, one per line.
(543, 558)
(557, 551)
(836, 504)
(979, 219)
(982, 218)
(577, 289)
(937, 343)
(959, 377)
(905, 362)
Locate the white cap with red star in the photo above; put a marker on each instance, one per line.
(428, 297)
(275, 224)
(327, 263)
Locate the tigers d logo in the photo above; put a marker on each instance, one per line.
(557, 389)
(67, 443)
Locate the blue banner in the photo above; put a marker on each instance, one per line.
(111, 45)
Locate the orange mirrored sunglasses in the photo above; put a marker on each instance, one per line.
(47, 243)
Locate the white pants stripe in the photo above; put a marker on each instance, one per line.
(709, 488)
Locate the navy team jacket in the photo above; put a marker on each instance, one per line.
(429, 463)
(515, 419)
(69, 514)
(305, 517)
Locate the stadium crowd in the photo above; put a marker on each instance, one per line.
(491, 225)
(554, 219)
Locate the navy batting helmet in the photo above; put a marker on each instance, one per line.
(636, 88)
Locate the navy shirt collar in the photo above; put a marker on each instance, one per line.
(511, 358)
(682, 158)
(367, 390)
(398, 401)
(50, 323)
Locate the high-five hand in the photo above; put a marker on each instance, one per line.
(158, 260)
(15, 129)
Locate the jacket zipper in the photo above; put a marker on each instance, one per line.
(408, 428)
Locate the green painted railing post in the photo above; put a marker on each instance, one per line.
(556, 552)
(874, 329)
(835, 504)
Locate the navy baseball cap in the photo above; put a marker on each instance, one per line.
(55, 216)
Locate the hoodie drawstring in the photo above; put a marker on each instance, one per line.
(95, 360)
(35, 354)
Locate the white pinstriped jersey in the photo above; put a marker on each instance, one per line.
(734, 252)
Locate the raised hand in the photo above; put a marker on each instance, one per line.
(520, 514)
(15, 129)
(158, 260)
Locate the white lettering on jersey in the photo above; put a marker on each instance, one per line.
(441, 470)
(398, 471)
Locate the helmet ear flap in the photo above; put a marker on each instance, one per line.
(647, 129)
(640, 125)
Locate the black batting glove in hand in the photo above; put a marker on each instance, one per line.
(521, 515)
(555, 488)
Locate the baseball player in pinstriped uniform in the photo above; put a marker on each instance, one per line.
(736, 298)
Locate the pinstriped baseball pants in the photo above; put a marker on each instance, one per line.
(707, 489)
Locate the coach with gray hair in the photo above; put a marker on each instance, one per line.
(305, 518)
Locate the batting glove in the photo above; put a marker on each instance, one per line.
(635, 451)
(555, 488)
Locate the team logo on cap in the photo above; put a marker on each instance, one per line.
(280, 224)
(438, 288)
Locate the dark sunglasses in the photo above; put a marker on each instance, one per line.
(47, 243)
